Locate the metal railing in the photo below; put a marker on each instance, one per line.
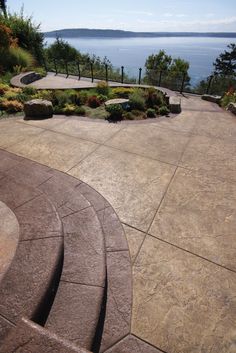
(176, 81)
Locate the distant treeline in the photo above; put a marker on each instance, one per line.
(110, 33)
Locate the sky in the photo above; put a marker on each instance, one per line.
(134, 15)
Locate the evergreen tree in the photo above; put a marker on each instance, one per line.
(225, 64)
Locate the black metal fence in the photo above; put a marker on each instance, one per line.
(176, 81)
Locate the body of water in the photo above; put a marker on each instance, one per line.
(132, 52)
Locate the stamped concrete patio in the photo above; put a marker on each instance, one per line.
(172, 181)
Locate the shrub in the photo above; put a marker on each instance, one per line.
(80, 111)
(41, 71)
(128, 116)
(229, 97)
(22, 97)
(115, 111)
(11, 106)
(153, 97)
(29, 36)
(3, 88)
(93, 102)
(102, 88)
(151, 113)
(83, 97)
(47, 95)
(163, 110)
(122, 92)
(137, 100)
(18, 57)
(30, 91)
(61, 98)
(102, 98)
(69, 109)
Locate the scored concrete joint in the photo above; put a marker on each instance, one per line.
(211, 98)
(175, 105)
(38, 109)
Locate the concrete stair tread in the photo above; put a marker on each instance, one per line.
(92, 305)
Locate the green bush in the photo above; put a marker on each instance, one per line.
(30, 91)
(41, 71)
(115, 111)
(153, 97)
(128, 116)
(151, 113)
(29, 37)
(80, 111)
(18, 57)
(122, 92)
(163, 110)
(102, 98)
(93, 102)
(229, 97)
(69, 109)
(3, 88)
(137, 100)
(83, 96)
(103, 88)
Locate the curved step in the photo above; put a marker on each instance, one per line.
(92, 306)
(33, 273)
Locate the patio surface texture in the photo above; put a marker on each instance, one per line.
(172, 182)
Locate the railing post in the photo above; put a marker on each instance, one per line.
(55, 65)
(160, 77)
(91, 66)
(209, 84)
(122, 74)
(140, 76)
(66, 66)
(78, 66)
(182, 84)
(106, 68)
(44, 64)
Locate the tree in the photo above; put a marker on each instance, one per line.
(155, 64)
(178, 68)
(61, 50)
(3, 7)
(161, 68)
(225, 64)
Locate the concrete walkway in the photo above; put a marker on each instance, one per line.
(173, 184)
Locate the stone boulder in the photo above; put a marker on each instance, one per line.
(232, 108)
(175, 105)
(38, 109)
(211, 98)
(124, 103)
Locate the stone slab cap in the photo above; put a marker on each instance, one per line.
(28, 337)
(38, 108)
(175, 105)
(211, 98)
(121, 101)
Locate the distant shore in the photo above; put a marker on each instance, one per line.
(109, 33)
